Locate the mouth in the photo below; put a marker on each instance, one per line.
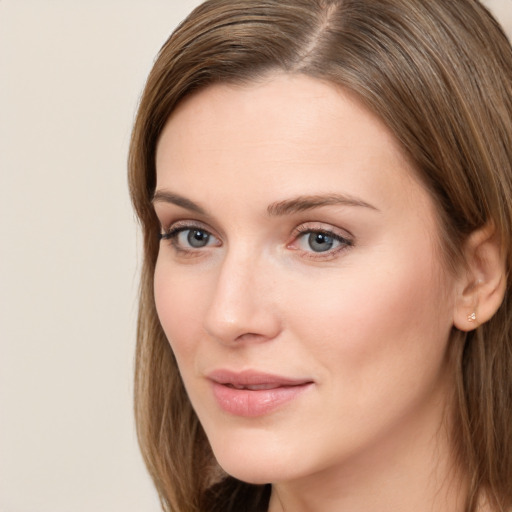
(256, 387)
(252, 394)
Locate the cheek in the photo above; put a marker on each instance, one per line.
(382, 313)
(178, 299)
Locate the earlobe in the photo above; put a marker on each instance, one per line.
(482, 285)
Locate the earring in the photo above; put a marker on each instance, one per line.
(472, 317)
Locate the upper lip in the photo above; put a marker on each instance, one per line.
(252, 378)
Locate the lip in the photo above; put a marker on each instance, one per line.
(250, 394)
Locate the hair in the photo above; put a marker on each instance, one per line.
(439, 75)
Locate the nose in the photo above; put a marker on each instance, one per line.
(242, 307)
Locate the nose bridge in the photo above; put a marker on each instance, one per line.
(242, 305)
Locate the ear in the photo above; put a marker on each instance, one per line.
(482, 284)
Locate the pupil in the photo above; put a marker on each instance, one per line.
(197, 238)
(320, 242)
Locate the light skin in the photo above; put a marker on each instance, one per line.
(298, 242)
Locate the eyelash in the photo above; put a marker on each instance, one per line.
(344, 243)
(172, 236)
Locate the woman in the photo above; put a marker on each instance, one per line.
(325, 193)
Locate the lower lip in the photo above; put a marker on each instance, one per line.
(249, 404)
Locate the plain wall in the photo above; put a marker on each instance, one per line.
(71, 73)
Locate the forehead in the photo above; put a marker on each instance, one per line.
(279, 106)
(282, 134)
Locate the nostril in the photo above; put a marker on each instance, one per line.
(251, 336)
(261, 326)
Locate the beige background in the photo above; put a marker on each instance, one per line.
(71, 72)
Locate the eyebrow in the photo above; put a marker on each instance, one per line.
(286, 207)
(304, 203)
(161, 196)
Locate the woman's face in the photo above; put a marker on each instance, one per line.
(300, 281)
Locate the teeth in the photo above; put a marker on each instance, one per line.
(261, 386)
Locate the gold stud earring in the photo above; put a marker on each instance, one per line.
(472, 317)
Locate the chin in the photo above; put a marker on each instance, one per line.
(257, 461)
(250, 475)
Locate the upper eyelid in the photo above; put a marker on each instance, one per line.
(175, 228)
(324, 227)
(186, 224)
(336, 236)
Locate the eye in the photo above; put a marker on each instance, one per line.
(319, 242)
(187, 238)
(195, 238)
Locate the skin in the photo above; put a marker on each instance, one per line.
(367, 322)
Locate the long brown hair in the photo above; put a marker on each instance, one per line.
(439, 74)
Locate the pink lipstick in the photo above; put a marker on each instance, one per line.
(252, 394)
